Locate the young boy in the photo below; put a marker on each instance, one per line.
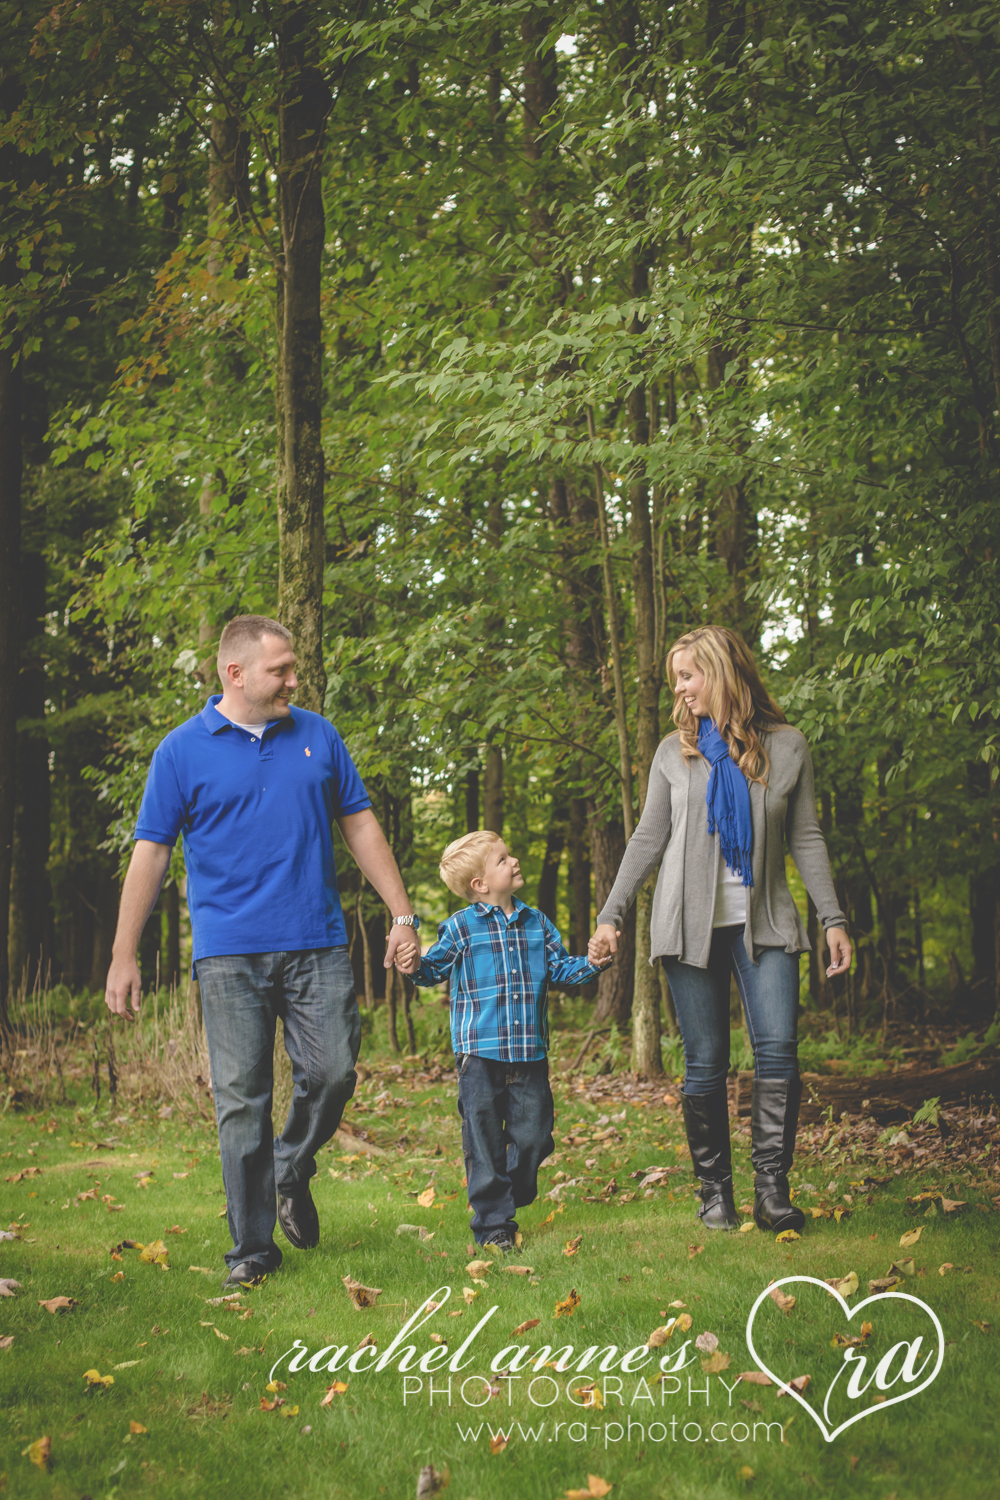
(501, 956)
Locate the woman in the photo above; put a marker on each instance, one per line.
(725, 791)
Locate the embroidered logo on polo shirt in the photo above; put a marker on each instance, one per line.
(308, 751)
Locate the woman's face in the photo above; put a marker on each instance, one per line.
(689, 682)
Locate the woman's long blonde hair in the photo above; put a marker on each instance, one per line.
(737, 699)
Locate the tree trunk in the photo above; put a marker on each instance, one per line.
(305, 101)
(493, 790)
(615, 985)
(578, 877)
(984, 889)
(472, 799)
(10, 559)
(555, 843)
(31, 933)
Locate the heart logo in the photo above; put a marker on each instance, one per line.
(821, 1422)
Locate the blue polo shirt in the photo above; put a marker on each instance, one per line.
(256, 817)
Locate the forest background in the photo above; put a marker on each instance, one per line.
(490, 347)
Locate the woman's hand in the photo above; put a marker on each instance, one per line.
(840, 951)
(604, 943)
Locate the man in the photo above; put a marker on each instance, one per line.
(254, 786)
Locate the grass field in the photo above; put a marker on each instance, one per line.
(193, 1375)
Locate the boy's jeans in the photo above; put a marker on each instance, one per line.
(507, 1116)
(242, 996)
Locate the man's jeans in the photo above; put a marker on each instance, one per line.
(770, 993)
(242, 996)
(507, 1117)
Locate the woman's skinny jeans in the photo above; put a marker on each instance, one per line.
(770, 993)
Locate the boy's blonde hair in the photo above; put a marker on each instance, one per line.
(464, 860)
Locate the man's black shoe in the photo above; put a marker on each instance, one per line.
(246, 1273)
(298, 1218)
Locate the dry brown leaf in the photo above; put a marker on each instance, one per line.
(746, 1473)
(910, 1237)
(798, 1384)
(333, 1391)
(852, 1341)
(59, 1304)
(694, 1250)
(948, 1266)
(39, 1452)
(361, 1296)
(951, 1205)
(706, 1343)
(569, 1305)
(8, 1286)
(498, 1443)
(902, 1268)
(983, 1327)
(367, 1343)
(572, 1246)
(6, 1341)
(784, 1303)
(136, 1427)
(430, 1482)
(596, 1487)
(755, 1377)
(520, 1270)
(590, 1394)
(479, 1267)
(716, 1362)
(468, 1295)
(118, 1276)
(426, 1198)
(176, 1228)
(524, 1327)
(883, 1283)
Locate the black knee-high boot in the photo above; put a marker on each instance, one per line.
(773, 1119)
(706, 1120)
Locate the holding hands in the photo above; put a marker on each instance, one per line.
(604, 943)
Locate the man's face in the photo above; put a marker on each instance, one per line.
(267, 678)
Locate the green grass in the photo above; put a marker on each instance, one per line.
(200, 1398)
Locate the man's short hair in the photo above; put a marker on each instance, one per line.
(242, 634)
(464, 860)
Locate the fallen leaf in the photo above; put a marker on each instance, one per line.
(786, 1236)
(426, 1198)
(469, 1295)
(59, 1304)
(498, 1443)
(176, 1228)
(746, 1473)
(8, 1287)
(366, 1343)
(40, 1452)
(127, 1364)
(910, 1237)
(361, 1296)
(332, 1391)
(6, 1341)
(220, 1335)
(694, 1250)
(136, 1427)
(787, 1303)
(904, 1267)
(716, 1362)
(572, 1246)
(948, 1266)
(430, 1482)
(596, 1487)
(520, 1270)
(755, 1377)
(798, 1384)
(852, 1341)
(118, 1276)
(746, 1228)
(845, 1285)
(154, 1254)
(94, 1377)
(524, 1327)
(568, 1306)
(479, 1267)
(591, 1396)
(884, 1283)
(707, 1343)
(951, 1205)
(983, 1327)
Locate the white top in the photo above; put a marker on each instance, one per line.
(255, 731)
(730, 898)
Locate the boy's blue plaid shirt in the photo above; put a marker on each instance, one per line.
(500, 969)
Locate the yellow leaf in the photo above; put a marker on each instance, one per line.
(572, 1246)
(784, 1303)
(136, 1427)
(568, 1306)
(524, 1327)
(154, 1253)
(276, 1385)
(746, 1228)
(290, 1411)
(94, 1377)
(426, 1198)
(786, 1236)
(498, 1443)
(332, 1391)
(716, 1362)
(118, 1276)
(478, 1267)
(845, 1285)
(590, 1395)
(910, 1237)
(469, 1295)
(746, 1473)
(40, 1452)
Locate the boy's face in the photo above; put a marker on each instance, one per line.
(501, 877)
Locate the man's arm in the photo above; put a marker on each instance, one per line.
(147, 869)
(368, 844)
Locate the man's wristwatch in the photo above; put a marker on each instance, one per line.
(411, 921)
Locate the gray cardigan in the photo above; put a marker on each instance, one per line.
(674, 828)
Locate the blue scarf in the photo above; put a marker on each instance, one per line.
(728, 800)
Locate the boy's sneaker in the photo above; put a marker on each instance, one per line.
(501, 1241)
